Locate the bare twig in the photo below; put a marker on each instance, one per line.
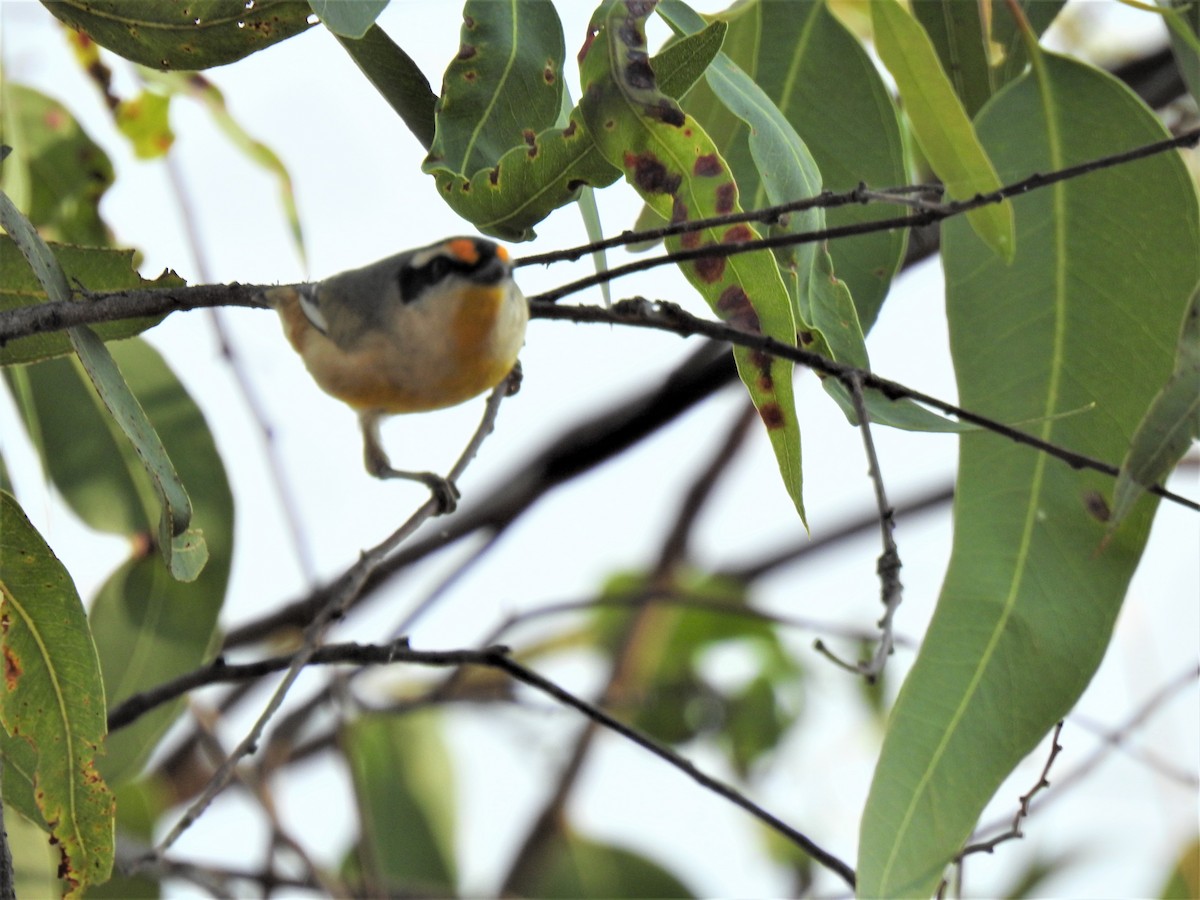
(498, 657)
(1014, 828)
(888, 566)
(918, 219)
(349, 587)
(1114, 739)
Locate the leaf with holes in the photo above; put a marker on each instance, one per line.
(190, 36)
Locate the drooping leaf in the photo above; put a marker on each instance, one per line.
(959, 34)
(190, 36)
(181, 548)
(828, 89)
(55, 171)
(1183, 22)
(939, 122)
(1087, 313)
(404, 788)
(980, 44)
(348, 18)
(96, 269)
(676, 168)
(821, 301)
(397, 78)
(54, 698)
(149, 627)
(1171, 423)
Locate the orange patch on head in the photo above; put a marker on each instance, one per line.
(464, 249)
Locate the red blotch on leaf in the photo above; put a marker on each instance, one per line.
(734, 307)
(771, 415)
(651, 175)
(737, 234)
(12, 669)
(726, 198)
(710, 268)
(707, 165)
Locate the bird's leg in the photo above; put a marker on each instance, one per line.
(378, 464)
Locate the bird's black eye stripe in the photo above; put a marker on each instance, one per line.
(414, 280)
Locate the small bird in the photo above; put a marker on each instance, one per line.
(422, 330)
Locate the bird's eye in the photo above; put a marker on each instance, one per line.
(436, 269)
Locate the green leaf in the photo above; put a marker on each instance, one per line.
(100, 478)
(501, 158)
(678, 699)
(980, 60)
(959, 35)
(821, 301)
(402, 774)
(54, 698)
(397, 78)
(195, 35)
(1085, 317)
(504, 86)
(1011, 51)
(1169, 427)
(939, 122)
(97, 269)
(678, 170)
(528, 182)
(682, 62)
(183, 550)
(55, 172)
(348, 18)
(574, 866)
(829, 90)
(149, 627)
(1184, 881)
(1183, 22)
(144, 121)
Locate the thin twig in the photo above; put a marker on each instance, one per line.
(1014, 829)
(1113, 740)
(639, 312)
(498, 657)
(351, 584)
(888, 567)
(643, 626)
(770, 215)
(24, 321)
(921, 218)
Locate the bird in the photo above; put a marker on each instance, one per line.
(426, 329)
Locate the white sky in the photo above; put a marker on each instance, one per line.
(362, 197)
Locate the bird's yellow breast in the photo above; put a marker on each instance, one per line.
(421, 356)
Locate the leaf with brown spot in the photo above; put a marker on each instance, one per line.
(54, 702)
(173, 36)
(502, 157)
(649, 126)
